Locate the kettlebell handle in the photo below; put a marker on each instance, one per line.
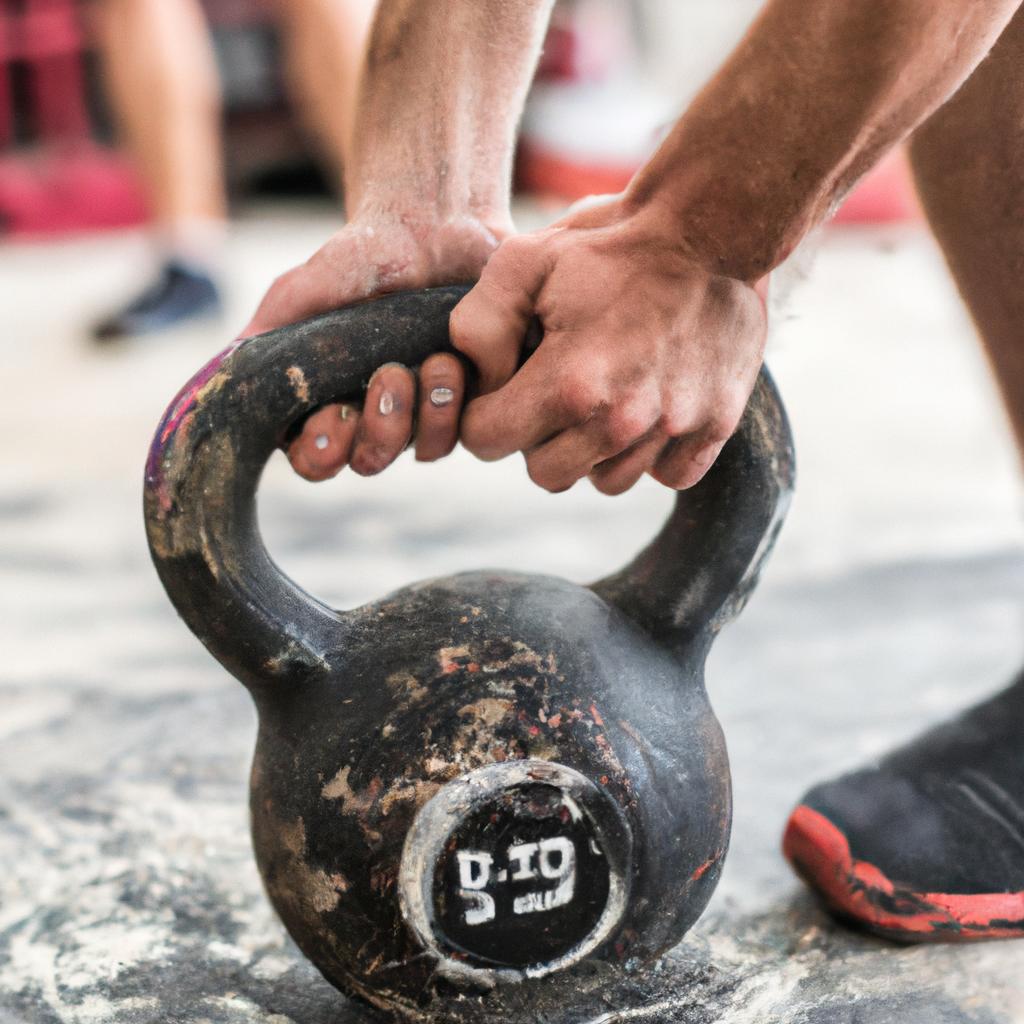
(213, 442)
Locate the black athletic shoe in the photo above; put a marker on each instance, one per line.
(179, 295)
(929, 844)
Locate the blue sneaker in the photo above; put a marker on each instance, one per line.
(179, 295)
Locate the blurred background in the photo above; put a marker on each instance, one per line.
(893, 597)
(613, 75)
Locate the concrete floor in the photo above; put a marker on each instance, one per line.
(127, 889)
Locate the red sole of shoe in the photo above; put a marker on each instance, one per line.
(858, 890)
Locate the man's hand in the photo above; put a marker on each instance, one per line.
(370, 256)
(427, 190)
(646, 364)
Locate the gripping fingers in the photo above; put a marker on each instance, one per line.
(684, 460)
(442, 389)
(385, 425)
(618, 475)
(323, 448)
(557, 464)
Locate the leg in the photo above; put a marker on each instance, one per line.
(162, 84)
(969, 164)
(324, 42)
(930, 843)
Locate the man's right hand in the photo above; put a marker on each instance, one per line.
(427, 190)
(371, 256)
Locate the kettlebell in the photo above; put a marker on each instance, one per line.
(480, 793)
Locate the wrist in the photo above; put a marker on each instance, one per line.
(659, 225)
(426, 194)
(432, 245)
(717, 224)
(424, 219)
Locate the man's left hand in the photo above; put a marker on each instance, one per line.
(647, 358)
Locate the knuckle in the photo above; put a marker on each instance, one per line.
(624, 424)
(580, 396)
(676, 419)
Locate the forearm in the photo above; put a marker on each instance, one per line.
(810, 99)
(442, 91)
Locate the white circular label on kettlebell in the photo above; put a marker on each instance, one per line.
(522, 881)
(518, 867)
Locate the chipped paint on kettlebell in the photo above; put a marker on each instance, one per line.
(492, 786)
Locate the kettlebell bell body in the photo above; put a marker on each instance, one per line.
(479, 790)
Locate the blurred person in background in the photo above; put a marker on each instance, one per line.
(161, 77)
(654, 317)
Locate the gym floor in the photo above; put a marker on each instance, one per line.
(128, 891)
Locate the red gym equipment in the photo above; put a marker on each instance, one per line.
(54, 177)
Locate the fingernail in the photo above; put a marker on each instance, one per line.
(321, 441)
(386, 405)
(442, 396)
(344, 411)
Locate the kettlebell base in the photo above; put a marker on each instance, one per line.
(593, 993)
(581, 833)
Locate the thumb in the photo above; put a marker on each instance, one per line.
(297, 294)
(349, 268)
(490, 325)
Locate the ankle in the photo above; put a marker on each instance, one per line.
(196, 244)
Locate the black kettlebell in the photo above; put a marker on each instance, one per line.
(488, 790)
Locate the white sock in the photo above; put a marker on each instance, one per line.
(197, 242)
